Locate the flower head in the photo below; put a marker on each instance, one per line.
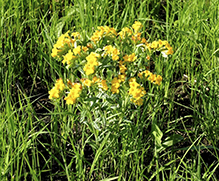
(137, 26)
(74, 93)
(53, 93)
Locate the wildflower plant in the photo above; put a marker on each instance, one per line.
(109, 77)
(109, 62)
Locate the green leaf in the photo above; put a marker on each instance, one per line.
(109, 179)
(157, 133)
(171, 140)
(111, 101)
(99, 151)
(93, 99)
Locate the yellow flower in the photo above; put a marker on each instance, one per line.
(136, 37)
(68, 57)
(143, 92)
(122, 68)
(143, 40)
(136, 91)
(108, 49)
(152, 78)
(130, 58)
(54, 52)
(140, 74)
(165, 42)
(160, 43)
(133, 84)
(113, 32)
(70, 99)
(133, 79)
(84, 48)
(76, 35)
(59, 84)
(77, 50)
(95, 79)
(158, 80)
(147, 73)
(148, 45)
(103, 31)
(154, 44)
(137, 26)
(63, 40)
(114, 90)
(115, 83)
(73, 94)
(112, 51)
(125, 32)
(92, 59)
(89, 45)
(115, 86)
(115, 53)
(86, 82)
(138, 102)
(67, 49)
(115, 57)
(170, 51)
(121, 77)
(92, 62)
(88, 69)
(77, 86)
(107, 31)
(95, 37)
(103, 85)
(54, 93)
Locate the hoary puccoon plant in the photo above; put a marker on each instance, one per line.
(111, 66)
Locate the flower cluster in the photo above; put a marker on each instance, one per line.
(125, 32)
(122, 67)
(64, 42)
(74, 93)
(137, 26)
(103, 85)
(160, 45)
(55, 91)
(108, 62)
(136, 91)
(130, 58)
(68, 57)
(157, 79)
(115, 86)
(112, 51)
(89, 67)
(103, 31)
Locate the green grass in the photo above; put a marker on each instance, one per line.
(169, 138)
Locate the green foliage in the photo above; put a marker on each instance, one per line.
(168, 138)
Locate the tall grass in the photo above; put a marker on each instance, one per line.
(174, 136)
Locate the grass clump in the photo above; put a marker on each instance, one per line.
(121, 107)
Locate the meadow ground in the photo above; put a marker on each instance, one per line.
(172, 136)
